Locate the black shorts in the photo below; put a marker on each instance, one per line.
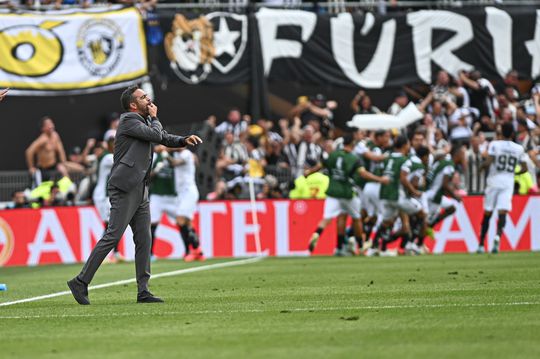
(48, 173)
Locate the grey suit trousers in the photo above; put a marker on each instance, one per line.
(126, 208)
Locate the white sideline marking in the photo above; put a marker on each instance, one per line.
(329, 309)
(133, 280)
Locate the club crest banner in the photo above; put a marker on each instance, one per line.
(210, 43)
(351, 49)
(74, 51)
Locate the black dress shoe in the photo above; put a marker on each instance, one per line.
(147, 297)
(79, 291)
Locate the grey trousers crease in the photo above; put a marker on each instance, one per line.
(126, 208)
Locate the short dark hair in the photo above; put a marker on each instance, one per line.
(523, 122)
(456, 149)
(507, 130)
(380, 133)
(42, 121)
(475, 75)
(348, 139)
(127, 96)
(420, 130)
(422, 151)
(254, 141)
(400, 142)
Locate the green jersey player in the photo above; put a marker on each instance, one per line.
(417, 178)
(162, 190)
(373, 153)
(173, 192)
(441, 193)
(342, 165)
(399, 196)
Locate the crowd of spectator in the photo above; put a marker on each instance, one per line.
(465, 110)
(57, 4)
(381, 7)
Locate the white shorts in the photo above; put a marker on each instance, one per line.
(498, 199)
(424, 200)
(187, 202)
(333, 207)
(370, 198)
(160, 204)
(409, 205)
(434, 208)
(103, 207)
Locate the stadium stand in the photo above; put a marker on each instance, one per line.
(464, 109)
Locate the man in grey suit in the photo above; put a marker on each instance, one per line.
(139, 128)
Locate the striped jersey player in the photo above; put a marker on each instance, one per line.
(503, 157)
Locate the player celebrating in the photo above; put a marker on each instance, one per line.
(175, 193)
(163, 197)
(398, 196)
(373, 155)
(341, 165)
(503, 157)
(441, 190)
(419, 162)
(183, 162)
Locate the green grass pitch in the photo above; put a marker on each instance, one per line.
(451, 306)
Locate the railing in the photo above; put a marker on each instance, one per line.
(12, 181)
(350, 4)
(283, 175)
(366, 4)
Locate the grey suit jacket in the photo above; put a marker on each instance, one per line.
(133, 149)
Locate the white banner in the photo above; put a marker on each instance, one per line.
(405, 117)
(71, 52)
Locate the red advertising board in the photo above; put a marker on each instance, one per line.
(226, 229)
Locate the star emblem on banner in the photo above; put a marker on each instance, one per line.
(224, 39)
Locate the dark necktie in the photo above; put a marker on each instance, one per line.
(147, 121)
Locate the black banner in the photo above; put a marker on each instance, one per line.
(351, 50)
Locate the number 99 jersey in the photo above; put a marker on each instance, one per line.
(506, 156)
